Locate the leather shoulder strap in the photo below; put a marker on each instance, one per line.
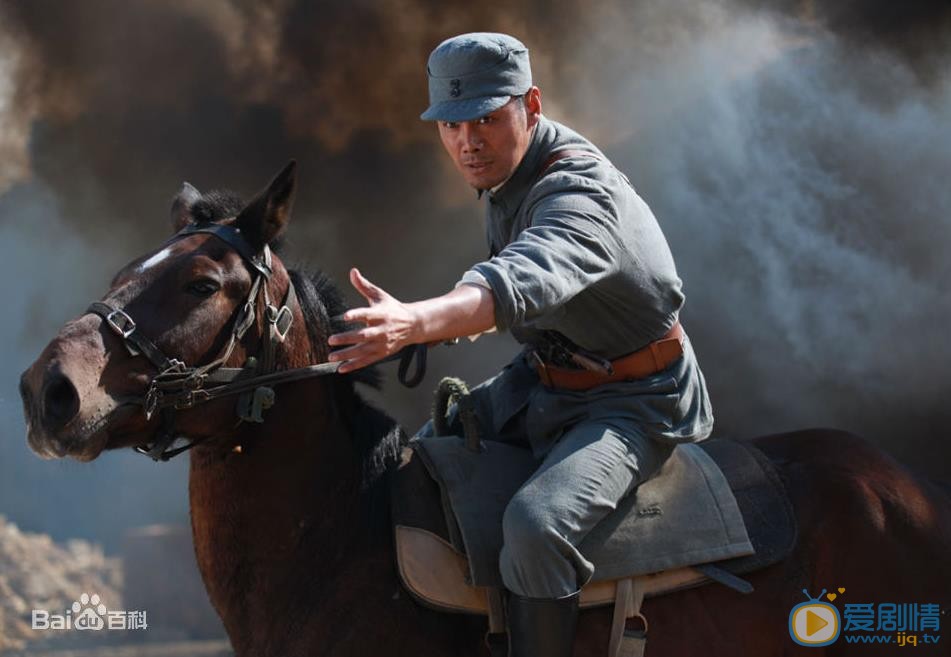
(562, 154)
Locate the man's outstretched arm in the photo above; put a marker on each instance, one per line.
(390, 325)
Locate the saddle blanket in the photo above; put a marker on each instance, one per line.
(685, 515)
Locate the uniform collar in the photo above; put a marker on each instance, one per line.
(491, 192)
(509, 196)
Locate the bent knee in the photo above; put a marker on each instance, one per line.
(529, 528)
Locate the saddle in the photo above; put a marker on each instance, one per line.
(715, 510)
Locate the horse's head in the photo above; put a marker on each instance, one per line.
(198, 300)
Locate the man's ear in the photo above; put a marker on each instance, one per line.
(266, 216)
(182, 206)
(533, 106)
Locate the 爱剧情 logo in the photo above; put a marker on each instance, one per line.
(817, 622)
(89, 613)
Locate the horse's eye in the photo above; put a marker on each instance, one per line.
(203, 287)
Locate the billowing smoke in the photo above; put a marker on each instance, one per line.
(796, 157)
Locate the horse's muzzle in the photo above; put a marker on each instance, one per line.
(64, 403)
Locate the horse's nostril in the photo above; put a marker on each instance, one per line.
(60, 400)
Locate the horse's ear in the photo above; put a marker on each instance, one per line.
(266, 216)
(182, 206)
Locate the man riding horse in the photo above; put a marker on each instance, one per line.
(580, 273)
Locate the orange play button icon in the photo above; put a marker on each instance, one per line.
(814, 622)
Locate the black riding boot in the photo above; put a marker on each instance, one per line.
(540, 627)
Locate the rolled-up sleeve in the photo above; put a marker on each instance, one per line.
(472, 277)
(570, 244)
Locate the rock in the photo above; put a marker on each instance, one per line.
(36, 573)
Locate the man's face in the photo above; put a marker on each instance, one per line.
(487, 150)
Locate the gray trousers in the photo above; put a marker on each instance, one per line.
(580, 480)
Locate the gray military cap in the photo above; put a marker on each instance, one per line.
(474, 74)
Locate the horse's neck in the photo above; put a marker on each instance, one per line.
(276, 520)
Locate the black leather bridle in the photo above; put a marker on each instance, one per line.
(178, 387)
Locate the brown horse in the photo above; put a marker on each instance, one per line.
(290, 516)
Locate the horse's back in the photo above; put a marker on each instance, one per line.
(868, 524)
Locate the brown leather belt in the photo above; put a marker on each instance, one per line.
(654, 358)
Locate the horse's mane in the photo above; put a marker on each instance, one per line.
(377, 438)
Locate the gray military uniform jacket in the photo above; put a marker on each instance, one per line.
(576, 250)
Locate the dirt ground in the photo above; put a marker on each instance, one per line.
(219, 648)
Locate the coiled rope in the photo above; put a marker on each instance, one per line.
(452, 390)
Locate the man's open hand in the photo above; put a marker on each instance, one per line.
(389, 325)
